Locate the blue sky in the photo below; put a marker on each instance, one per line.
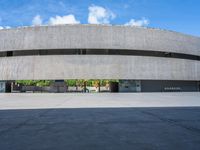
(177, 15)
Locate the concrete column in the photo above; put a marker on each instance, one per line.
(85, 83)
(99, 86)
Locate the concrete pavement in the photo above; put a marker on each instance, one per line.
(98, 100)
(100, 121)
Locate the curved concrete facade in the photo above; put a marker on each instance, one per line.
(97, 37)
(98, 66)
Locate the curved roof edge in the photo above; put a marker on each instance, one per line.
(109, 25)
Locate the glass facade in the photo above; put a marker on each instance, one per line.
(2, 87)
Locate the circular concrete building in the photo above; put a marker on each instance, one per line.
(142, 59)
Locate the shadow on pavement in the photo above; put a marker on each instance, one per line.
(101, 129)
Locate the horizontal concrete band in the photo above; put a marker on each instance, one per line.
(98, 67)
(97, 37)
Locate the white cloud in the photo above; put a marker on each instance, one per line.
(139, 23)
(99, 15)
(37, 20)
(6, 27)
(69, 19)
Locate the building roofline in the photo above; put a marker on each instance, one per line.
(104, 25)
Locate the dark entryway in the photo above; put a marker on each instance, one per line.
(8, 87)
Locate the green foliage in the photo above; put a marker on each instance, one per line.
(27, 82)
(70, 82)
(40, 83)
(88, 82)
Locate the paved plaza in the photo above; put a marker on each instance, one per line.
(104, 121)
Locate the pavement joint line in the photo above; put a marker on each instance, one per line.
(172, 122)
(23, 123)
(15, 127)
(92, 122)
(30, 119)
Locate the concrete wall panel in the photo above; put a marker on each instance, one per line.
(97, 37)
(98, 67)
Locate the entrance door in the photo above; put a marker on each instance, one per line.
(138, 86)
(129, 86)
